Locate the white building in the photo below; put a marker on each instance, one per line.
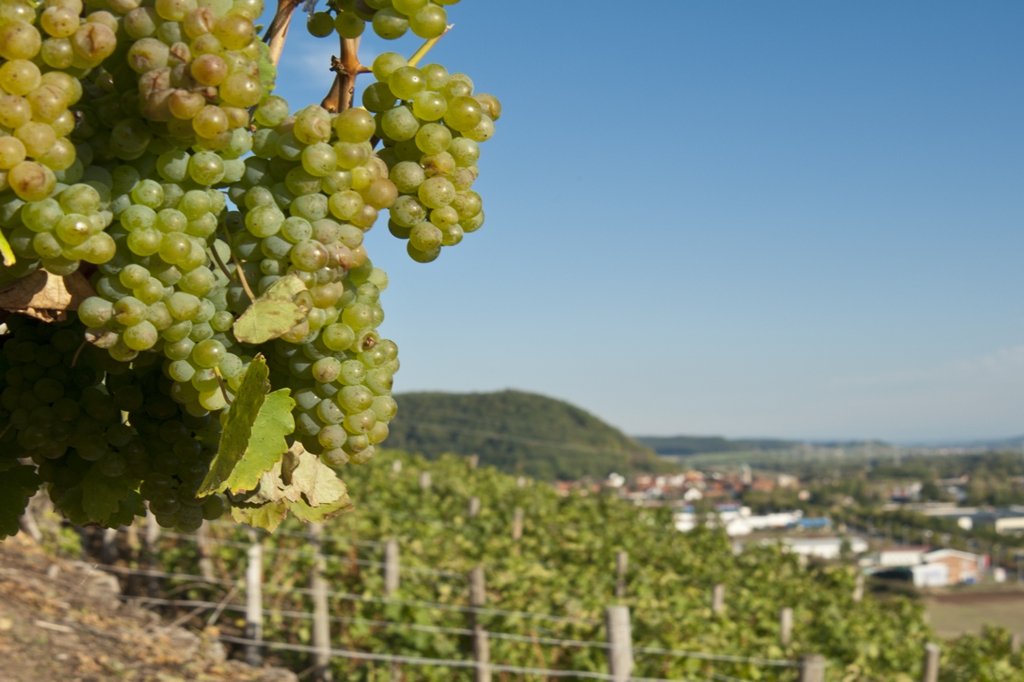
(825, 548)
(893, 557)
(738, 521)
(930, 575)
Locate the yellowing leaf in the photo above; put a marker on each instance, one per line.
(273, 313)
(268, 516)
(6, 252)
(304, 512)
(314, 481)
(298, 482)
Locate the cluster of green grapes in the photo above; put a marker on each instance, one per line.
(195, 68)
(126, 128)
(162, 291)
(341, 375)
(35, 119)
(431, 125)
(179, 447)
(391, 19)
(306, 199)
(311, 190)
(63, 406)
(62, 230)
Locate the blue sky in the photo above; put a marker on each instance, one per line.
(793, 219)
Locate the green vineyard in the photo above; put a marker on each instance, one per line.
(547, 591)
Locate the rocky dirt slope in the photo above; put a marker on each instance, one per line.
(62, 620)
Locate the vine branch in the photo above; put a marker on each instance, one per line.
(277, 32)
(345, 68)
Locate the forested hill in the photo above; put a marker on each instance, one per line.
(517, 432)
(694, 445)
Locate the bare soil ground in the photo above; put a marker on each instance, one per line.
(62, 620)
(955, 613)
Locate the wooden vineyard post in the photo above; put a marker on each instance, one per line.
(391, 567)
(931, 663)
(718, 599)
(132, 541)
(203, 550)
(254, 604)
(473, 461)
(812, 668)
(620, 643)
(621, 563)
(858, 590)
(785, 625)
(109, 545)
(321, 617)
(481, 643)
(474, 506)
(517, 523)
(425, 480)
(28, 525)
(151, 540)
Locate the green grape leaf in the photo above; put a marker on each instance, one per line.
(298, 482)
(9, 463)
(102, 495)
(266, 444)
(70, 506)
(17, 485)
(238, 425)
(127, 510)
(274, 313)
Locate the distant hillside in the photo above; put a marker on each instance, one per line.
(517, 432)
(680, 446)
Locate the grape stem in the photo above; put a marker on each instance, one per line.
(220, 382)
(346, 68)
(428, 46)
(241, 277)
(238, 268)
(220, 264)
(278, 30)
(74, 360)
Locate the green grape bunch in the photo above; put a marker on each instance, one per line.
(431, 125)
(144, 154)
(390, 19)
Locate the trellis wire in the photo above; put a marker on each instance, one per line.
(551, 641)
(447, 663)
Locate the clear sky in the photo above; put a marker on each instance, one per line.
(794, 219)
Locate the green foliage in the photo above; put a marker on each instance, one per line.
(238, 430)
(988, 658)
(519, 433)
(564, 565)
(17, 484)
